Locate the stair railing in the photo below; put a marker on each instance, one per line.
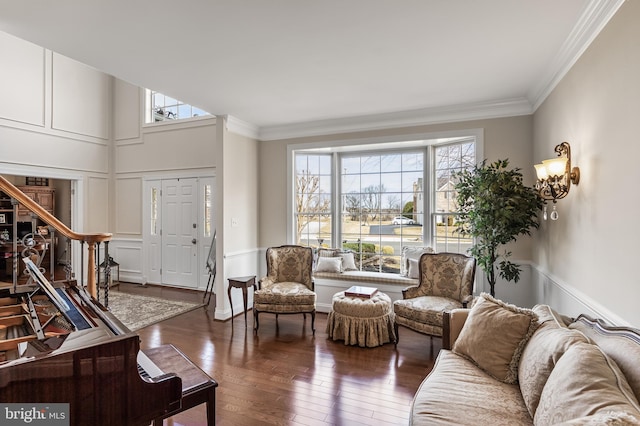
(92, 240)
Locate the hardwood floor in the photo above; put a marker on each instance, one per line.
(286, 376)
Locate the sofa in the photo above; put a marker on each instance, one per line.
(505, 365)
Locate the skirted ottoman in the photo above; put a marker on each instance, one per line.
(361, 321)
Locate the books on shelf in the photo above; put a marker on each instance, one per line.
(360, 291)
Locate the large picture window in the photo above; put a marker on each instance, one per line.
(380, 207)
(375, 202)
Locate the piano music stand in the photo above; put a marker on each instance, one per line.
(197, 386)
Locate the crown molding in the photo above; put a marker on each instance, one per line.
(412, 118)
(594, 17)
(240, 127)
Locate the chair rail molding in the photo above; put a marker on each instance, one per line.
(568, 300)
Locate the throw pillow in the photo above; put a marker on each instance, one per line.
(348, 261)
(540, 356)
(584, 382)
(494, 335)
(409, 252)
(414, 269)
(329, 264)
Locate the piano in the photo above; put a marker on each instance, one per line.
(59, 345)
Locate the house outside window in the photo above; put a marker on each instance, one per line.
(374, 202)
(449, 160)
(160, 107)
(313, 181)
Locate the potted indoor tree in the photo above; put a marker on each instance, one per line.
(495, 208)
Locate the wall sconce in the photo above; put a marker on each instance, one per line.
(555, 177)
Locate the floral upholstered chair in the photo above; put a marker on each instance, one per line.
(446, 282)
(288, 286)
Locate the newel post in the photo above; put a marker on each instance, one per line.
(91, 270)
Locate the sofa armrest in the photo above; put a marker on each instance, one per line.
(452, 324)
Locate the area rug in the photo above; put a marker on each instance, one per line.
(137, 311)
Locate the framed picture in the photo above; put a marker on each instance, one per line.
(3, 218)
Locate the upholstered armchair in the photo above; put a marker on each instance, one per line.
(446, 283)
(288, 287)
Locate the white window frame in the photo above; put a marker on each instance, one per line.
(398, 142)
(149, 111)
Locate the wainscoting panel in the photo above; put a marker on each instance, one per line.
(128, 253)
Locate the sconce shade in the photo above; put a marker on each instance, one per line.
(541, 171)
(555, 166)
(555, 177)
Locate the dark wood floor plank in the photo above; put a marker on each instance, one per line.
(284, 375)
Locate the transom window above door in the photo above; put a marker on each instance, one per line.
(160, 107)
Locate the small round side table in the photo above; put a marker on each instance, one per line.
(242, 283)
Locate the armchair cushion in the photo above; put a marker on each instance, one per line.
(494, 336)
(424, 314)
(284, 297)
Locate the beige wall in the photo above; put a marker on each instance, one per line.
(503, 138)
(591, 248)
(240, 208)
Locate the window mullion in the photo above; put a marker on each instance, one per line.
(336, 205)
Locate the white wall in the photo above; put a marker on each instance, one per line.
(587, 257)
(167, 150)
(54, 115)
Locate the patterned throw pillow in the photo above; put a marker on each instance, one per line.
(541, 354)
(494, 335)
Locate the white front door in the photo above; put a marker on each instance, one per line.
(179, 232)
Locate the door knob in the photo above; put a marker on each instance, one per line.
(193, 241)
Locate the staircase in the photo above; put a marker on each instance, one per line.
(37, 245)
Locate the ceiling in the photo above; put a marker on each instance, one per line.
(296, 67)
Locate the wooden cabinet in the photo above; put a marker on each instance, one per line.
(6, 217)
(43, 195)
